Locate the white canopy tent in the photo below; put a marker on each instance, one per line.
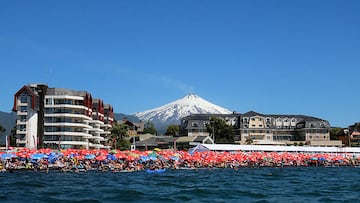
(272, 148)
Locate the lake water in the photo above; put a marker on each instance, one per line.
(310, 184)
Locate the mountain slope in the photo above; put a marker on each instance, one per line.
(7, 121)
(121, 116)
(172, 113)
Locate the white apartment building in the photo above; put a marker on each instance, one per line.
(61, 118)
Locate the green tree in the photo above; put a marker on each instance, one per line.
(2, 129)
(13, 136)
(119, 135)
(334, 133)
(124, 144)
(172, 130)
(150, 128)
(224, 133)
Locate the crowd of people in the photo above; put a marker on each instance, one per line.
(72, 160)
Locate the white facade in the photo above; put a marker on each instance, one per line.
(67, 120)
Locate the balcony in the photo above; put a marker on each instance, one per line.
(98, 138)
(98, 146)
(66, 115)
(66, 106)
(63, 133)
(81, 125)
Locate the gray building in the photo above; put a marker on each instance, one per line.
(257, 128)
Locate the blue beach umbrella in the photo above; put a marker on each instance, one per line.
(7, 156)
(111, 157)
(73, 155)
(154, 158)
(175, 158)
(144, 158)
(38, 156)
(89, 156)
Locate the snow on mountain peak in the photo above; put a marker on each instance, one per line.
(191, 96)
(172, 113)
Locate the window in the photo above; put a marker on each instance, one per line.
(22, 127)
(48, 101)
(23, 108)
(193, 124)
(22, 118)
(23, 99)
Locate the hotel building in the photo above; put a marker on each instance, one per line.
(273, 129)
(61, 118)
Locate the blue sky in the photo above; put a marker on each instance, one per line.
(275, 57)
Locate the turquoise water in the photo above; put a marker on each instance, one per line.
(310, 184)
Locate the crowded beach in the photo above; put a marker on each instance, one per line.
(83, 160)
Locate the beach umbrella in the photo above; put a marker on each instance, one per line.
(38, 156)
(120, 156)
(72, 155)
(130, 158)
(85, 152)
(101, 158)
(7, 156)
(89, 156)
(151, 157)
(144, 158)
(111, 157)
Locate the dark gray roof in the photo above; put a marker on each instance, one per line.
(199, 138)
(208, 116)
(61, 91)
(155, 141)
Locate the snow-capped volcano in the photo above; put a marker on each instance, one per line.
(172, 113)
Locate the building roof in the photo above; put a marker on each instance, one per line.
(200, 138)
(155, 141)
(62, 91)
(27, 89)
(184, 139)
